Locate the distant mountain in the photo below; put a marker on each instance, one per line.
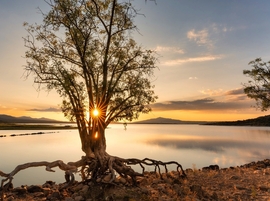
(24, 119)
(259, 121)
(161, 120)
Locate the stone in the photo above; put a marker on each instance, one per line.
(214, 167)
(123, 180)
(205, 169)
(239, 187)
(210, 167)
(38, 194)
(48, 184)
(257, 171)
(78, 187)
(55, 195)
(107, 178)
(34, 189)
(234, 177)
(144, 190)
(142, 181)
(116, 180)
(20, 190)
(188, 170)
(98, 180)
(46, 191)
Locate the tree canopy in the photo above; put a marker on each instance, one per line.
(258, 87)
(85, 51)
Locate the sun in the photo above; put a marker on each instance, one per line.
(95, 112)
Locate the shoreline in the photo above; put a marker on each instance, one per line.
(250, 181)
(13, 126)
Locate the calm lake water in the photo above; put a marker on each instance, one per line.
(190, 145)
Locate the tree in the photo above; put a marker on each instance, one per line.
(259, 87)
(84, 51)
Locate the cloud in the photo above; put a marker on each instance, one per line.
(192, 78)
(219, 28)
(199, 104)
(2, 106)
(169, 49)
(200, 37)
(208, 36)
(212, 92)
(235, 91)
(194, 59)
(236, 94)
(45, 110)
(216, 100)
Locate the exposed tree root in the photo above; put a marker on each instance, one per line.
(99, 169)
(94, 170)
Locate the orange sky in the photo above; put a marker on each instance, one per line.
(204, 46)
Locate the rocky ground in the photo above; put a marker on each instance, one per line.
(247, 182)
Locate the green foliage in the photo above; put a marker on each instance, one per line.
(259, 87)
(84, 51)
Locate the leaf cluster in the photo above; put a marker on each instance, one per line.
(84, 50)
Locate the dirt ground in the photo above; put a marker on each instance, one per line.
(246, 183)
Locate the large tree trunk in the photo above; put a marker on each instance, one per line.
(94, 146)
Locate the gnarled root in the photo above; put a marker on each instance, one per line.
(103, 168)
(69, 169)
(122, 167)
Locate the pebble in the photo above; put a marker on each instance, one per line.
(239, 187)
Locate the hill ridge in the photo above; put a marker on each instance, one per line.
(25, 119)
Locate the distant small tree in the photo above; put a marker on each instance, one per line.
(84, 51)
(259, 87)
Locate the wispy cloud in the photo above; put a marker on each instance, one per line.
(208, 36)
(212, 92)
(200, 37)
(192, 59)
(192, 78)
(2, 106)
(219, 28)
(169, 49)
(217, 92)
(45, 110)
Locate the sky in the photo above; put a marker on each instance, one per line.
(203, 47)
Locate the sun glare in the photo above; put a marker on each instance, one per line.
(96, 135)
(95, 112)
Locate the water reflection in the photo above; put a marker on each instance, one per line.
(186, 144)
(212, 145)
